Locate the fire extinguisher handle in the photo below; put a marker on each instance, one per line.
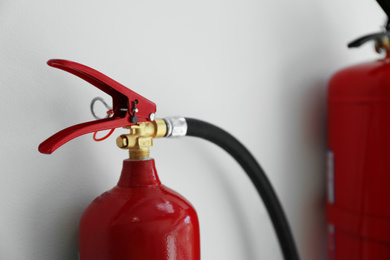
(57, 140)
(385, 4)
(360, 41)
(128, 107)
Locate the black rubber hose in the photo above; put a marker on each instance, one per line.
(231, 145)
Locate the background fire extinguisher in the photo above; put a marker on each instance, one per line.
(358, 160)
(140, 218)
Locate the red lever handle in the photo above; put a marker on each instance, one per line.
(128, 106)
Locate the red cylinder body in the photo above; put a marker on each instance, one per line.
(139, 219)
(358, 163)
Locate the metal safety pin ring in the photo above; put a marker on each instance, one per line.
(104, 103)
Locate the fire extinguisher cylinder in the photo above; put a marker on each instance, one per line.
(358, 155)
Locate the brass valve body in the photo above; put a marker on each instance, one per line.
(382, 45)
(141, 137)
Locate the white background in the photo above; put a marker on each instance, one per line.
(258, 69)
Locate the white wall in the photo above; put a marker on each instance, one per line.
(256, 68)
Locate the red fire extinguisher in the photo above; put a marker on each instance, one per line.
(358, 160)
(140, 218)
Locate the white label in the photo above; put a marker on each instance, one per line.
(330, 176)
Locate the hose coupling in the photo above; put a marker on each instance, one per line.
(176, 126)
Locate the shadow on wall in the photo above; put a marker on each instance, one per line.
(304, 160)
(56, 214)
(243, 229)
(303, 104)
(305, 117)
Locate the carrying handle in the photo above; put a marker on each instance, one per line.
(129, 108)
(385, 4)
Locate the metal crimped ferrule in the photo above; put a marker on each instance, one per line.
(176, 126)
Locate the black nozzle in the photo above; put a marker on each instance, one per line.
(385, 4)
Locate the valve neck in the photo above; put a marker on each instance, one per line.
(138, 174)
(139, 154)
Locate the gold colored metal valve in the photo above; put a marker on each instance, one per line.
(382, 45)
(141, 137)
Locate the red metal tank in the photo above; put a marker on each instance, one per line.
(139, 219)
(358, 163)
